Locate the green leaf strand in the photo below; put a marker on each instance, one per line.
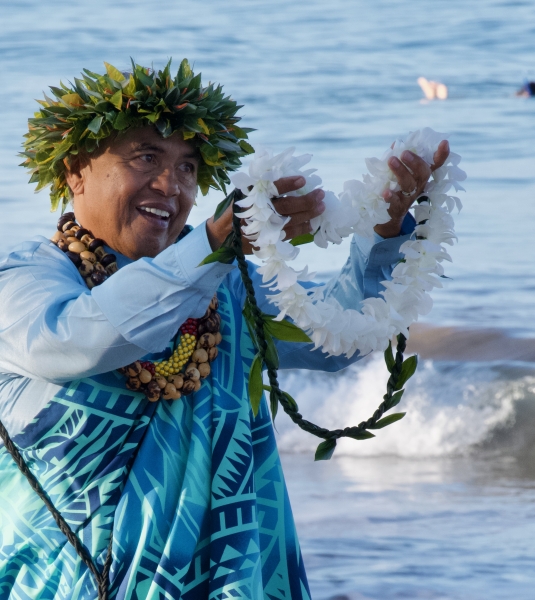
(256, 385)
(284, 330)
(388, 420)
(325, 450)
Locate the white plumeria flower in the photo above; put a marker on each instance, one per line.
(357, 209)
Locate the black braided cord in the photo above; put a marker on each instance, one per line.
(103, 578)
(290, 408)
(83, 553)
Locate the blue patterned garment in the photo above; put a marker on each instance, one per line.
(203, 514)
(191, 490)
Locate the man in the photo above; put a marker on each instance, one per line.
(189, 492)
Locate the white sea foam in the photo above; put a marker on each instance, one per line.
(451, 407)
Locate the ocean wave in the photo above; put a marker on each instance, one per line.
(453, 408)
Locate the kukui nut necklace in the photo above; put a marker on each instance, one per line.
(179, 375)
(182, 373)
(79, 118)
(76, 119)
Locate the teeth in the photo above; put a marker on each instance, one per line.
(156, 211)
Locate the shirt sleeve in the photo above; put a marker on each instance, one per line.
(52, 327)
(371, 261)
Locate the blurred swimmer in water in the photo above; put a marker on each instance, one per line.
(433, 89)
(527, 90)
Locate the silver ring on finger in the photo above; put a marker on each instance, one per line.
(407, 194)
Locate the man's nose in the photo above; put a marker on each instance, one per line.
(166, 182)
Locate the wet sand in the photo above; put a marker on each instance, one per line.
(451, 343)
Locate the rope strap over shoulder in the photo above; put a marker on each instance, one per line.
(102, 579)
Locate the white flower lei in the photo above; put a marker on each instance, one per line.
(356, 210)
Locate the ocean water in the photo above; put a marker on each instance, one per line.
(442, 504)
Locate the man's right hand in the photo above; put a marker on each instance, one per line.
(301, 209)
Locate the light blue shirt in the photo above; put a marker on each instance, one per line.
(53, 329)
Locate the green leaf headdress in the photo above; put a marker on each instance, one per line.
(97, 106)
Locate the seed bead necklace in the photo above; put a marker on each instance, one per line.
(182, 373)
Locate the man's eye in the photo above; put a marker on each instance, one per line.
(147, 158)
(188, 167)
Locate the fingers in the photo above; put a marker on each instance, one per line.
(412, 174)
(420, 169)
(300, 209)
(399, 204)
(291, 205)
(405, 178)
(441, 155)
(293, 231)
(289, 184)
(218, 230)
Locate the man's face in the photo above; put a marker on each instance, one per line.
(137, 195)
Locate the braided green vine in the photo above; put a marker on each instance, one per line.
(263, 328)
(64, 527)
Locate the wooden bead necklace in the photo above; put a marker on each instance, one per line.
(182, 373)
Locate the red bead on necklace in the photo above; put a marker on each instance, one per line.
(182, 373)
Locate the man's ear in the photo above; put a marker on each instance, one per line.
(74, 177)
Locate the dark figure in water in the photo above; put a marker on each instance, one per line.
(527, 90)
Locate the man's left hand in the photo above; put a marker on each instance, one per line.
(412, 174)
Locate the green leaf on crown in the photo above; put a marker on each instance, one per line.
(130, 88)
(239, 132)
(325, 450)
(211, 155)
(71, 100)
(184, 71)
(117, 99)
(246, 147)
(228, 145)
(97, 105)
(95, 124)
(256, 385)
(144, 78)
(114, 73)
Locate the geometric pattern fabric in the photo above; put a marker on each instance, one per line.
(192, 491)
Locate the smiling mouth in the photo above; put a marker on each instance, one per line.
(156, 214)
